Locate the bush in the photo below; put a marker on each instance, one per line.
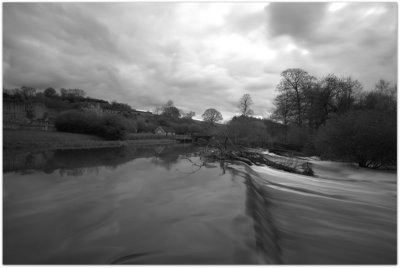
(247, 131)
(112, 127)
(367, 137)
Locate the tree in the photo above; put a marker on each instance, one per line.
(50, 92)
(28, 92)
(295, 82)
(346, 94)
(367, 137)
(282, 111)
(244, 105)
(382, 85)
(385, 88)
(320, 100)
(169, 110)
(383, 98)
(212, 116)
(305, 100)
(189, 115)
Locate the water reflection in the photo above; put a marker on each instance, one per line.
(80, 162)
(150, 206)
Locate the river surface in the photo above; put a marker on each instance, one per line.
(167, 205)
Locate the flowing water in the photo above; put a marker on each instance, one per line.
(167, 205)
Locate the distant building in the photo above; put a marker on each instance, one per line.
(96, 108)
(164, 131)
(93, 107)
(18, 115)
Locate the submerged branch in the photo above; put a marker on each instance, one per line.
(250, 157)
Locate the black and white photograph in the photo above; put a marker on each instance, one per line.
(199, 133)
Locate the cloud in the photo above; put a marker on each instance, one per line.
(298, 20)
(200, 55)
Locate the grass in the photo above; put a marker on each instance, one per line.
(41, 140)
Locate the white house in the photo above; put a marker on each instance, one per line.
(167, 131)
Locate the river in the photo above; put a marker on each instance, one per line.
(167, 205)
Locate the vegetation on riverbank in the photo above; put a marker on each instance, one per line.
(331, 117)
(111, 127)
(115, 116)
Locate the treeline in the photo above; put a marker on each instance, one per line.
(112, 127)
(118, 120)
(62, 100)
(118, 126)
(169, 116)
(332, 117)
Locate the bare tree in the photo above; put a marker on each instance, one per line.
(212, 116)
(385, 87)
(296, 81)
(347, 93)
(28, 92)
(320, 100)
(244, 105)
(382, 85)
(282, 111)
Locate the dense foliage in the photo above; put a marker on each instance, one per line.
(334, 118)
(212, 116)
(366, 137)
(112, 127)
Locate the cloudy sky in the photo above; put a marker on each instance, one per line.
(199, 55)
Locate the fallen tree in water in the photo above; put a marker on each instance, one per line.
(253, 157)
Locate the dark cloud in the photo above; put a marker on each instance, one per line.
(244, 20)
(200, 55)
(298, 20)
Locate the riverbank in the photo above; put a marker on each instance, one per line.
(15, 140)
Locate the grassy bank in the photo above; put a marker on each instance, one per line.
(40, 140)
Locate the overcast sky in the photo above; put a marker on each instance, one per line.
(199, 55)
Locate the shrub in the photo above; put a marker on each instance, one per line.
(112, 127)
(367, 137)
